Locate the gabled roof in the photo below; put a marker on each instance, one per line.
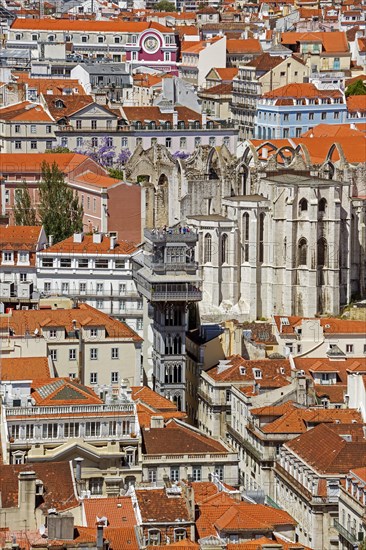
(50, 85)
(239, 370)
(24, 163)
(146, 395)
(153, 113)
(334, 130)
(331, 325)
(19, 237)
(302, 90)
(327, 452)
(70, 104)
(227, 73)
(24, 368)
(246, 45)
(60, 391)
(25, 112)
(356, 103)
(333, 42)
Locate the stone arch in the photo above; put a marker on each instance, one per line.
(161, 206)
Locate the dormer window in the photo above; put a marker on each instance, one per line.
(8, 257)
(93, 332)
(154, 537)
(59, 104)
(242, 371)
(51, 38)
(53, 333)
(257, 374)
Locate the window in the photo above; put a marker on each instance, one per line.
(207, 248)
(18, 145)
(219, 471)
(96, 485)
(302, 251)
(336, 115)
(122, 306)
(212, 141)
(228, 396)
(124, 142)
(71, 429)
(14, 431)
(197, 473)
(47, 287)
(322, 205)
(166, 56)
(79, 142)
(101, 264)
(120, 264)
(322, 252)
(94, 378)
(100, 39)
(53, 354)
(303, 205)
(94, 205)
(257, 373)
(78, 124)
(94, 142)
(84, 39)
(93, 354)
(139, 304)
(197, 142)
(93, 332)
(298, 116)
(180, 534)
(139, 325)
(29, 431)
(99, 304)
(7, 256)
(114, 377)
(117, 40)
(33, 144)
(50, 431)
(82, 288)
(65, 262)
(349, 348)
(122, 288)
(47, 262)
(183, 142)
(100, 287)
(64, 288)
(94, 124)
(285, 117)
(245, 237)
(174, 474)
(17, 128)
(311, 116)
(33, 129)
(72, 354)
(261, 238)
(152, 475)
(115, 353)
(154, 536)
(23, 277)
(53, 333)
(48, 144)
(83, 263)
(168, 142)
(324, 116)
(298, 132)
(224, 249)
(34, 37)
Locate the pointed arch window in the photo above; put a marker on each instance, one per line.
(207, 248)
(261, 238)
(302, 252)
(224, 249)
(246, 237)
(322, 252)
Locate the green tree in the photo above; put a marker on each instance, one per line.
(165, 5)
(59, 210)
(58, 149)
(24, 211)
(356, 88)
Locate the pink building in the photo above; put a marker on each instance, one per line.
(109, 204)
(154, 47)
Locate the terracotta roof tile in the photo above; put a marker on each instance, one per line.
(242, 370)
(145, 413)
(87, 246)
(50, 85)
(301, 90)
(148, 114)
(157, 506)
(119, 511)
(60, 392)
(356, 103)
(179, 440)
(227, 73)
(24, 163)
(71, 104)
(300, 420)
(25, 112)
(20, 237)
(85, 25)
(59, 491)
(333, 42)
(27, 321)
(249, 45)
(148, 396)
(24, 368)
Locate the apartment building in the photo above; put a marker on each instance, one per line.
(351, 524)
(109, 204)
(261, 75)
(180, 452)
(309, 474)
(94, 269)
(19, 246)
(26, 128)
(80, 341)
(293, 109)
(198, 57)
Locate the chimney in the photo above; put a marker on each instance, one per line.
(100, 530)
(175, 119)
(78, 237)
(50, 240)
(113, 241)
(97, 238)
(78, 461)
(60, 527)
(27, 492)
(157, 422)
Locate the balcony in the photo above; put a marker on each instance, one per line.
(170, 236)
(165, 267)
(167, 292)
(205, 397)
(69, 409)
(350, 536)
(288, 478)
(244, 443)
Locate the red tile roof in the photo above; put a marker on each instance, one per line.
(227, 73)
(356, 103)
(85, 25)
(50, 85)
(25, 112)
(24, 368)
(334, 325)
(20, 237)
(179, 439)
(59, 392)
(22, 321)
(146, 395)
(87, 246)
(333, 42)
(300, 420)
(24, 163)
(148, 114)
(119, 511)
(248, 45)
(156, 506)
(242, 370)
(302, 90)
(71, 104)
(59, 490)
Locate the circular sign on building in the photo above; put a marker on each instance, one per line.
(151, 44)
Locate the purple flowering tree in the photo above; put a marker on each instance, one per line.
(182, 155)
(105, 154)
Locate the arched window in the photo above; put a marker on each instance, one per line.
(302, 252)
(246, 237)
(224, 249)
(322, 205)
(261, 238)
(303, 205)
(322, 252)
(285, 249)
(207, 248)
